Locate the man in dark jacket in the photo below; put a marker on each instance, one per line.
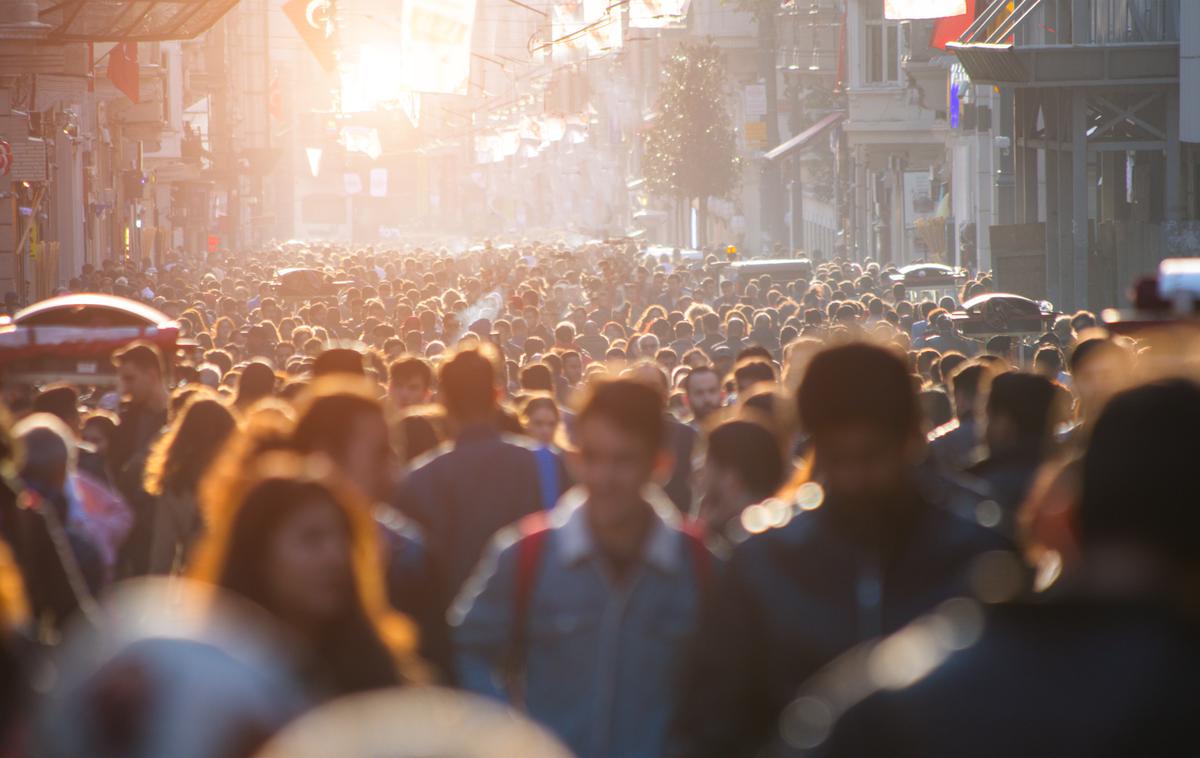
(463, 494)
(143, 378)
(1022, 414)
(866, 551)
(1108, 663)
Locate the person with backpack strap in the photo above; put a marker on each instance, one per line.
(580, 616)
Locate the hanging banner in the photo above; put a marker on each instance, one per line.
(658, 14)
(902, 10)
(603, 27)
(362, 139)
(314, 160)
(379, 178)
(435, 36)
(567, 22)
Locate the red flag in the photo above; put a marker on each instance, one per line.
(123, 69)
(949, 29)
(313, 19)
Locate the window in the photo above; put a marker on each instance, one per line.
(882, 44)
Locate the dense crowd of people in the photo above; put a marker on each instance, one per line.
(660, 509)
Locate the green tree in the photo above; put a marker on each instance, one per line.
(691, 148)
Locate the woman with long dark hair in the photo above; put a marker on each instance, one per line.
(294, 539)
(174, 469)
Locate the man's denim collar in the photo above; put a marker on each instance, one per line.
(574, 543)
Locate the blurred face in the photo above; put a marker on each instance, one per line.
(704, 394)
(367, 459)
(541, 424)
(861, 467)
(411, 391)
(721, 501)
(93, 435)
(1099, 378)
(573, 369)
(308, 570)
(137, 383)
(614, 466)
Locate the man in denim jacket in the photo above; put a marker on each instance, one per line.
(589, 611)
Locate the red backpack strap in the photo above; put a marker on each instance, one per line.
(533, 531)
(697, 543)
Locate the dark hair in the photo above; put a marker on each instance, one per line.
(181, 457)
(1139, 467)
(339, 360)
(539, 400)
(324, 423)
(752, 371)
(537, 376)
(410, 367)
(1048, 358)
(630, 405)
(468, 384)
(422, 431)
(1092, 348)
(858, 383)
(364, 647)
(1026, 400)
(61, 400)
(751, 451)
(142, 355)
(753, 351)
(257, 381)
(966, 383)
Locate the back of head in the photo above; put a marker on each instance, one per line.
(324, 422)
(1138, 484)
(256, 382)
(408, 368)
(142, 355)
(468, 384)
(751, 451)
(752, 371)
(966, 383)
(339, 360)
(1091, 349)
(632, 406)
(1025, 402)
(49, 453)
(61, 400)
(858, 384)
(537, 376)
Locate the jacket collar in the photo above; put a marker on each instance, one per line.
(573, 537)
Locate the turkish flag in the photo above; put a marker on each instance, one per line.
(949, 29)
(123, 69)
(313, 19)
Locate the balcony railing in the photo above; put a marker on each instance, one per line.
(1076, 22)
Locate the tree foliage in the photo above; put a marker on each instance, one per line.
(691, 148)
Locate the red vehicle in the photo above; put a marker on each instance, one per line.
(71, 338)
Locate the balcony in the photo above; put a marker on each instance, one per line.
(1062, 43)
(129, 20)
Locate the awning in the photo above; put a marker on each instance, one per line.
(801, 140)
(131, 20)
